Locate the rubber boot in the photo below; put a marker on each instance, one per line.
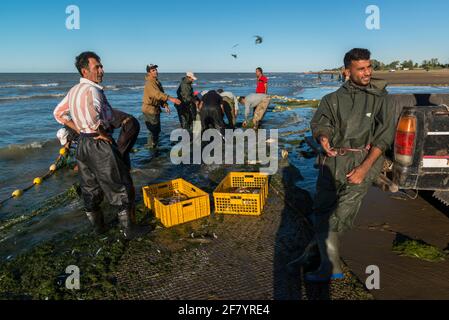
(97, 221)
(151, 142)
(330, 268)
(128, 228)
(310, 257)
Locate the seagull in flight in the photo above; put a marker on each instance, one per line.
(234, 56)
(259, 39)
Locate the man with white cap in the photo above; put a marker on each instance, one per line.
(187, 108)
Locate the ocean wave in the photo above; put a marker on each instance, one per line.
(41, 85)
(38, 96)
(14, 151)
(221, 81)
(136, 88)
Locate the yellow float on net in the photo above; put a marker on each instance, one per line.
(17, 193)
(53, 167)
(37, 180)
(63, 151)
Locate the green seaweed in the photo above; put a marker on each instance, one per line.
(419, 249)
(40, 273)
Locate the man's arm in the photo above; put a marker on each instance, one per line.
(62, 115)
(163, 97)
(385, 126)
(322, 123)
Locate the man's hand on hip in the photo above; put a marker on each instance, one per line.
(104, 137)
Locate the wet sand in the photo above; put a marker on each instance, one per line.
(415, 77)
(383, 218)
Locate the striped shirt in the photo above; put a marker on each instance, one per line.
(87, 106)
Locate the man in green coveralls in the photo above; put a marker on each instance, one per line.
(354, 126)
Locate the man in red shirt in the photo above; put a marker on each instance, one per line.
(262, 82)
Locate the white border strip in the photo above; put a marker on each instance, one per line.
(435, 163)
(442, 133)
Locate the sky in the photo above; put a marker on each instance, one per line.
(181, 35)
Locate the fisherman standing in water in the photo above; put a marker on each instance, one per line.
(154, 98)
(102, 170)
(187, 108)
(354, 126)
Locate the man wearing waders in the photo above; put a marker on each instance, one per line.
(154, 98)
(103, 172)
(354, 126)
(187, 108)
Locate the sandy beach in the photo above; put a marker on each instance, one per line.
(415, 77)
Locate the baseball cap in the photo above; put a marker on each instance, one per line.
(62, 135)
(191, 75)
(151, 67)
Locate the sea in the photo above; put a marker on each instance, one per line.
(28, 143)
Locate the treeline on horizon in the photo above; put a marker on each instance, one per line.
(431, 64)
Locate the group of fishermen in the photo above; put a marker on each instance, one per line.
(211, 105)
(104, 164)
(354, 125)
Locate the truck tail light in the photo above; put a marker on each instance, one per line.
(404, 146)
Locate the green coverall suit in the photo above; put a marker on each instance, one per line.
(352, 117)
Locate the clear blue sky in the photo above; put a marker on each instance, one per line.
(198, 35)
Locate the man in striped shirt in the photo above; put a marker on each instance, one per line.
(101, 167)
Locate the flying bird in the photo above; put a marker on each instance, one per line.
(234, 56)
(236, 45)
(259, 39)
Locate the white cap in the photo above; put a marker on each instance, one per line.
(62, 135)
(191, 75)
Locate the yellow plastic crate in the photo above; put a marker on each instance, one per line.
(196, 207)
(238, 203)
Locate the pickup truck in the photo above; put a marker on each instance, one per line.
(420, 157)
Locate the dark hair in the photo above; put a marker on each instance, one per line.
(260, 69)
(82, 61)
(356, 54)
(241, 99)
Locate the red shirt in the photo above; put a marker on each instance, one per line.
(261, 84)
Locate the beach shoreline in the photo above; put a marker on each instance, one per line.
(407, 78)
(438, 78)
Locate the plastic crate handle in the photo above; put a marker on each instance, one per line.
(163, 186)
(187, 204)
